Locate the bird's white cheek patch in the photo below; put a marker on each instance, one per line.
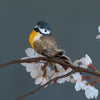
(37, 37)
(43, 31)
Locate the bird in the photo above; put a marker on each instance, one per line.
(42, 41)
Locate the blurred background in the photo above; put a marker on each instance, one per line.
(74, 25)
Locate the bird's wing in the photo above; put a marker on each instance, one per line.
(47, 46)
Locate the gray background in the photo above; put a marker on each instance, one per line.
(74, 25)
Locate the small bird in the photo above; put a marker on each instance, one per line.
(43, 42)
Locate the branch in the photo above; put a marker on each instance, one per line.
(55, 60)
(33, 92)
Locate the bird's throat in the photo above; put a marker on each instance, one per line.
(33, 36)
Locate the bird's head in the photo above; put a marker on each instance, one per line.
(43, 28)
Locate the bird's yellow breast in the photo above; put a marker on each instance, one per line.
(32, 37)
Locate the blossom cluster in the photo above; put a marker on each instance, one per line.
(43, 72)
(98, 36)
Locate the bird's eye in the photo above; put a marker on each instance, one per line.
(45, 30)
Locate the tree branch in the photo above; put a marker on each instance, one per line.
(33, 92)
(55, 60)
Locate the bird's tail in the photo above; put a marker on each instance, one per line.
(58, 53)
(66, 59)
(61, 55)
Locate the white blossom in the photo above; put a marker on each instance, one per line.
(31, 53)
(99, 29)
(98, 36)
(72, 80)
(80, 85)
(85, 61)
(54, 74)
(77, 76)
(29, 67)
(36, 72)
(60, 72)
(91, 92)
(41, 80)
(33, 68)
(68, 78)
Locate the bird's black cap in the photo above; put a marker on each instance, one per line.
(44, 25)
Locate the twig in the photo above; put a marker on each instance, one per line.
(33, 92)
(55, 60)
